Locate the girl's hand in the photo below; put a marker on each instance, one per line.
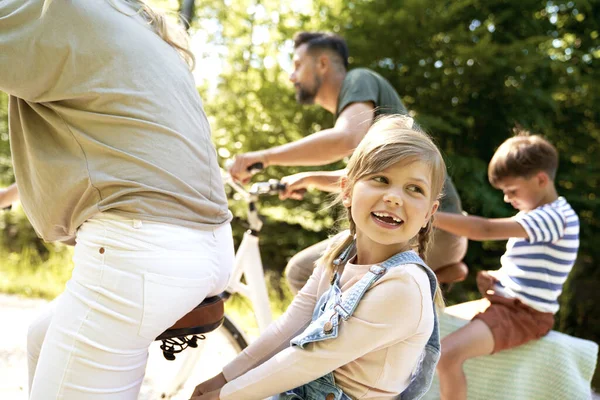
(485, 282)
(214, 395)
(213, 384)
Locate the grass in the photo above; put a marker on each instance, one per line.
(240, 310)
(28, 275)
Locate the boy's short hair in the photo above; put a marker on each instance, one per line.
(523, 156)
(323, 41)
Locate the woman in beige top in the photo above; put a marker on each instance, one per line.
(111, 150)
(371, 340)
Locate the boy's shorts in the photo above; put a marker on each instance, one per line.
(513, 323)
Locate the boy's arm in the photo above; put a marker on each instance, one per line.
(478, 228)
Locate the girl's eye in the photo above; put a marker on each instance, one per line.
(416, 189)
(380, 179)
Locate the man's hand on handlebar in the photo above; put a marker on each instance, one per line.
(241, 170)
(295, 186)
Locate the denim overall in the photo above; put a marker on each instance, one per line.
(333, 307)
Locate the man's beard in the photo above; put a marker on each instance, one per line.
(307, 96)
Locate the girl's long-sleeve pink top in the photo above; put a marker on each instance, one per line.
(374, 355)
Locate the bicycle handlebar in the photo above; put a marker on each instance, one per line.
(272, 186)
(253, 168)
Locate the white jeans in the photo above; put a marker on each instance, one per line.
(132, 280)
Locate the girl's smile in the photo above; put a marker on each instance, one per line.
(389, 208)
(386, 219)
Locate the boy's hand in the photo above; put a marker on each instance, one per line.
(485, 282)
(213, 384)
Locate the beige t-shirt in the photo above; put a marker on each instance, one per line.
(104, 115)
(373, 356)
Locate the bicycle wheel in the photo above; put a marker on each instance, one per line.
(177, 379)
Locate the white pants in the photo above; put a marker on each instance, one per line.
(132, 280)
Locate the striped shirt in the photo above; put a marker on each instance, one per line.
(535, 269)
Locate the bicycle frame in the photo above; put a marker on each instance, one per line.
(248, 264)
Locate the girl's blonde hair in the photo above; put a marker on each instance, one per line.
(391, 140)
(171, 33)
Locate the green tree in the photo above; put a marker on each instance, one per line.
(469, 70)
(253, 107)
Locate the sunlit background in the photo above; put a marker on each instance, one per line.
(469, 71)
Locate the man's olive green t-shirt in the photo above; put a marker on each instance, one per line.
(362, 85)
(104, 115)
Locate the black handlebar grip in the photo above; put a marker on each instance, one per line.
(256, 167)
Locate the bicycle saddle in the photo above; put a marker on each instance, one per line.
(206, 317)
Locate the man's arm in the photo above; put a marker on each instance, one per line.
(478, 228)
(9, 195)
(319, 148)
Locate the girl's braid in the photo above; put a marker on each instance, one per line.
(424, 238)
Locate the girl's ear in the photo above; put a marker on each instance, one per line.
(434, 208)
(346, 198)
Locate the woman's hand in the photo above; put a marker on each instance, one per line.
(213, 384)
(485, 282)
(214, 395)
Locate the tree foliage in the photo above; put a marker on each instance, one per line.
(469, 70)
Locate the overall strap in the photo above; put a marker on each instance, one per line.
(352, 297)
(342, 259)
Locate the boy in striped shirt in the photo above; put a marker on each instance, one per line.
(543, 239)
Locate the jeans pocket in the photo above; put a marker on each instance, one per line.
(167, 299)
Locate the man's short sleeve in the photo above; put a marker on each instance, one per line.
(543, 225)
(359, 87)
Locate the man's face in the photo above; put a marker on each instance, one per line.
(305, 77)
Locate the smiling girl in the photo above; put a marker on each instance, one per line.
(364, 325)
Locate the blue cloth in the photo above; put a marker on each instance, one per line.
(323, 388)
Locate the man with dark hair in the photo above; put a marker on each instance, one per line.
(356, 98)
